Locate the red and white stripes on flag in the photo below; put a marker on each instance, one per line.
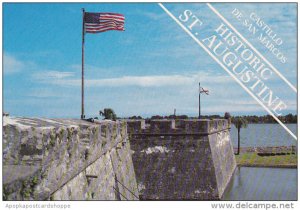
(101, 22)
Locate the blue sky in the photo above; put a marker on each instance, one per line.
(151, 68)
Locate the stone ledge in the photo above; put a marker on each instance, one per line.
(177, 127)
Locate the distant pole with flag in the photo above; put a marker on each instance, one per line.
(201, 90)
(97, 23)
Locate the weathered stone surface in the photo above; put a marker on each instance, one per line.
(63, 152)
(188, 160)
(124, 172)
(135, 126)
(223, 158)
(61, 159)
(13, 173)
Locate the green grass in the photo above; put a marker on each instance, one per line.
(252, 159)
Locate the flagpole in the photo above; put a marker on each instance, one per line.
(82, 68)
(199, 102)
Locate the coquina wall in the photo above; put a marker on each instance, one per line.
(46, 159)
(182, 159)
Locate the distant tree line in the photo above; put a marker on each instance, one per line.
(253, 119)
(289, 118)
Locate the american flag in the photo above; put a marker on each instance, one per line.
(101, 22)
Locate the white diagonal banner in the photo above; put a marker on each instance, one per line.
(253, 48)
(226, 69)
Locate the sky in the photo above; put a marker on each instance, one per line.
(151, 68)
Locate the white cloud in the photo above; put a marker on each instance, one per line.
(11, 64)
(143, 81)
(67, 79)
(52, 75)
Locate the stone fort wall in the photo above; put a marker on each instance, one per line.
(48, 159)
(181, 159)
(60, 159)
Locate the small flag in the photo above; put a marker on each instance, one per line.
(101, 22)
(202, 90)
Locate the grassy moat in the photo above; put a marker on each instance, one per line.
(253, 159)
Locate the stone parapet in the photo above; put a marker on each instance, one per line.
(63, 159)
(170, 126)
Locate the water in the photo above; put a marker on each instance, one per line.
(262, 184)
(264, 135)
